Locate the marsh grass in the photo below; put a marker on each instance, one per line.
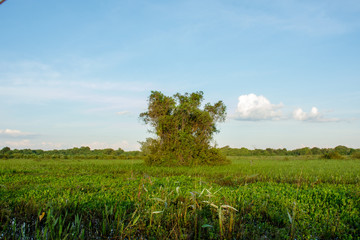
(255, 197)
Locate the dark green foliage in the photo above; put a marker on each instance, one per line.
(332, 155)
(5, 150)
(5, 153)
(73, 153)
(86, 153)
(184, 130)
(342, 150)
(356, 155)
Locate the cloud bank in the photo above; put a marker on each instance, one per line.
(313, 116)
(300, 115)
(253, 108)
(256, 108)
(123, 113)
(13, 133)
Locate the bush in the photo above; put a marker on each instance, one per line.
(332, 155)
(184, 130)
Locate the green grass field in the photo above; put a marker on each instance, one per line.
(253, 198)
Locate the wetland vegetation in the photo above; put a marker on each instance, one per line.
(255, 197)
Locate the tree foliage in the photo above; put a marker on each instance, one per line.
(73, 153)
(184, 131)
(315, 151)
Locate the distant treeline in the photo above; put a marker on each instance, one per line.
(73, 153)
(108, 153)
(342, 150)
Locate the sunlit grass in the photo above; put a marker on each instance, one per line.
(273, 197)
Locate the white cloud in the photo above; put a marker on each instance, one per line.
(122, 144)
(18, 144)
(13, 133)
(300, 115)
(38, 92)
(26, 143)
(254, 108)
(313, 116)
(52, 145)
(122, 113)
(317, 19)
(38, 83)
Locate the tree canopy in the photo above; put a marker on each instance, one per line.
(184, 131)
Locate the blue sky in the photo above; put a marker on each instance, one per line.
(75, 73)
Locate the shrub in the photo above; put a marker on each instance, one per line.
(356, 155)
(184, 130)
(332, 155)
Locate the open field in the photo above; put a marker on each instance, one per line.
(254, 197)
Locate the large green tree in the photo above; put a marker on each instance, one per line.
(184, 131)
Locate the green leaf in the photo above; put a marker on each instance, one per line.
(206, 226)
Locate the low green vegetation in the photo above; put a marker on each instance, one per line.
(256, 197)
